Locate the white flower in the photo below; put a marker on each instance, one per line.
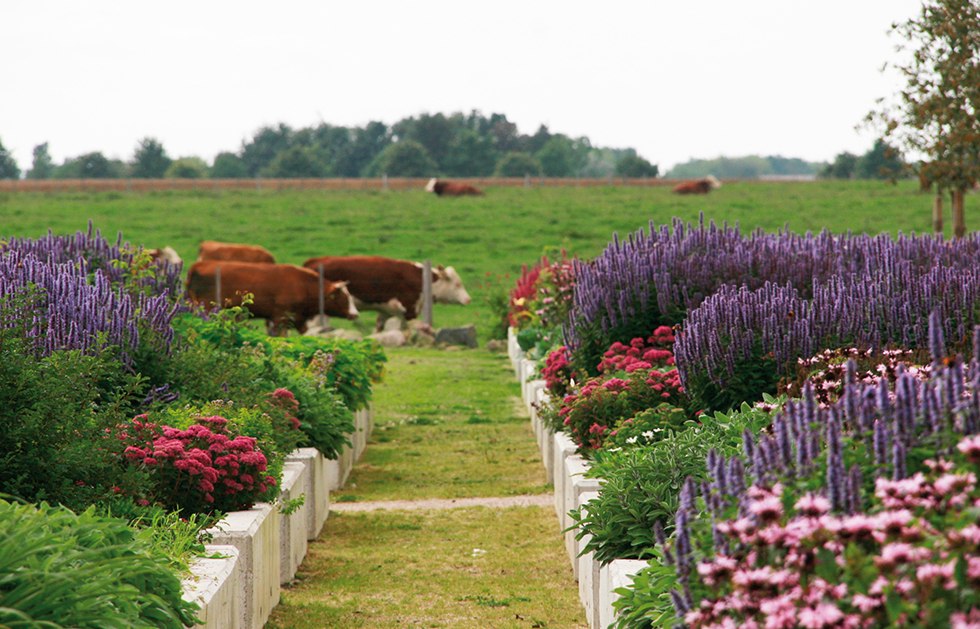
(478, 552)
(631, 440)
(648, 434)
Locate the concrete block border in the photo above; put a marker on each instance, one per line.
(565, 469)
(253, 552)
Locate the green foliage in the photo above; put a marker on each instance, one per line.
(747, 167)
(60, 569)
(42, 167)
(53, 411)
(641, 483)
(935, 114)
(228, 166)
(635, 166)
(646, 603)
(562, 157)
(295, 162)
(8, 165)
(646, 427)
(187, 168)
(150, 161)
(842, 167)
(90, 166)
(405, 158)
(517, 165)
(881, 162)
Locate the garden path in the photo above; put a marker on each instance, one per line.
(447, 521)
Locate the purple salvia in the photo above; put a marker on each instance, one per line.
(880, 442)
(898, 460)
(937, 345)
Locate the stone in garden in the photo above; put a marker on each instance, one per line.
(342, 333)
(497, 346)
(391, 338)
(458, 336)
(420, 334)
(318, 326)
(393, 324)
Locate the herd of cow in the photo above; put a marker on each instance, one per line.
(287, 295)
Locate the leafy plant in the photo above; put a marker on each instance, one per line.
(641, 483)
(59, 569)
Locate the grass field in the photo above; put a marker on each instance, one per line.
(485, 238)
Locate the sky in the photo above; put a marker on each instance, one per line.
(676, 80)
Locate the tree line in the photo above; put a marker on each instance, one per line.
(455, 145)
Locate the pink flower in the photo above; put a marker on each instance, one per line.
(823, 615)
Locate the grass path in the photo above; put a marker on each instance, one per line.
(449, 426)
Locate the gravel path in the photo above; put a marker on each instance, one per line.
(540, 500)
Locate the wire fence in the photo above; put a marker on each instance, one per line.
(332, 183)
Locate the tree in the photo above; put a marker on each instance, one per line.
(368, 144)
(187, 168)
(470, 155)
(93, 165)
(150, 160)
(265, 145)
(228, 166)
(42, 167)
(842, 167)
(937, 114)
(434, 132)
(296, 162)
(635, 166)
(8, 165)
(881, 162)
(517, 165)
(404, 159)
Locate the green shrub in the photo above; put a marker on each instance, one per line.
(641, 483)
(59, 569)
(646, 427)
(53, 411)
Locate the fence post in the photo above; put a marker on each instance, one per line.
(217, 286)
(527, 180)
(384, 181)
(427, 292)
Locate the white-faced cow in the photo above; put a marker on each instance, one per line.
(165, 254)
(451, 189)
(285, 295)
(234, 252)
(700, 186)
(390, 287)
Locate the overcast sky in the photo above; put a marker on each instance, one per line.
(676, 80)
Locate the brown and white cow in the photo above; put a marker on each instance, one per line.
(234, 252)
(283, 294)
(165, 254)
(699, 186)
(390, 287)
(451, 189)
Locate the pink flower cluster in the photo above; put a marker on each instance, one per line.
(914, 561)
(654, 351)
(603, 402)
(200, 469)
(826, 370)
(558, 372)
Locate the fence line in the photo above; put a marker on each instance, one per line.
(332, 183)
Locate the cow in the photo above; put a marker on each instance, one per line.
(283, 294)
(699, 186)
(450, 189)
(393, 288)
(233, 252)
(165, 254)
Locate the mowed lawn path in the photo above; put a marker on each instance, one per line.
(448, 425)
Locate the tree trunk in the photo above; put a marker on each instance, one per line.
(937, 212)
(959, 222)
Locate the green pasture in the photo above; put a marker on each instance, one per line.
(486, 238)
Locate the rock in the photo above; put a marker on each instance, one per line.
(497, 346)
(458, 336)
(342, 333)
(393, 324)
(391, 338)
